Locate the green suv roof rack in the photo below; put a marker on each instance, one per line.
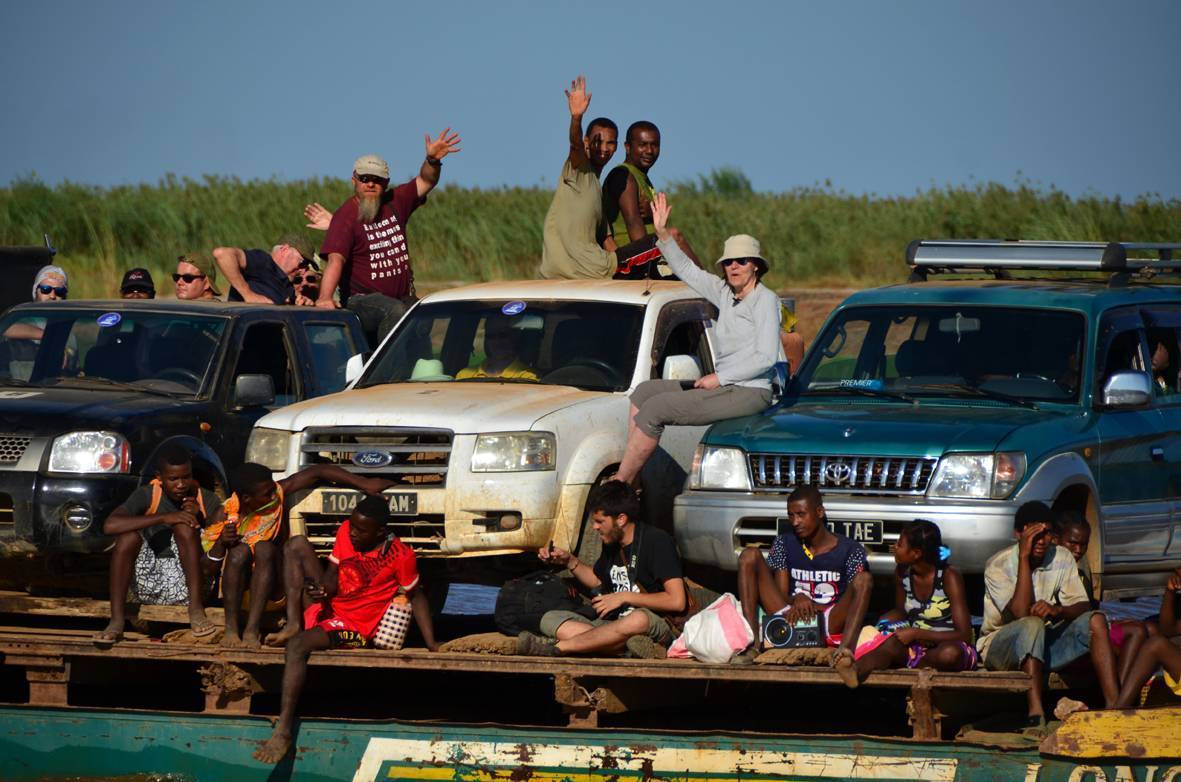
(998, 257)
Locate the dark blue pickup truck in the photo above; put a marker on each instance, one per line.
(90, 390)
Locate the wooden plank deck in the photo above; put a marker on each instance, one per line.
(584, 687)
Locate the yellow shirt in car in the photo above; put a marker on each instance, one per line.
(514, 371)
(787, 319)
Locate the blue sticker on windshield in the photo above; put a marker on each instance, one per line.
(872, 385)
(513, 308)
(108, 319)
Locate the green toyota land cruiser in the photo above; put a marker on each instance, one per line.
(1002, 372)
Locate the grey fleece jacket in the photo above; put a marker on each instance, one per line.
(746, 336)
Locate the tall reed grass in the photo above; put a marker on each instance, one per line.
(814, 236)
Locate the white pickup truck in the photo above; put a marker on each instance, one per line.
(499, 465)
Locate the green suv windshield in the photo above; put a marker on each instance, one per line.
(908, 352)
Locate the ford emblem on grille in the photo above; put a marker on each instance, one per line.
(372, 458)
(837, 473)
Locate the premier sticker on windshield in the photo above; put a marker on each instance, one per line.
(513, 308)
(873, 384)
(108, 319)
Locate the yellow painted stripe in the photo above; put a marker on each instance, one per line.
(420, 759)
(1143, 733)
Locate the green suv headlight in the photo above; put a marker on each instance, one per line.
(268, 447)
(719, 467)
(514, 452)
(977, 475)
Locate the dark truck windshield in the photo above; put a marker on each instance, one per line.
(1019, 355)
(590, 345)
(168, 353)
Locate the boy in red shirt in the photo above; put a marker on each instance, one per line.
(347, 599)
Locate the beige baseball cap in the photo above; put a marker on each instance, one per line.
(373, 165)
(744, 246)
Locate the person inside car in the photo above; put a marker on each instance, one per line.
(502, 349)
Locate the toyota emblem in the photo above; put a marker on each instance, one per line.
(837, 473)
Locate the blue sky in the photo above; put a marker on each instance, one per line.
(874, 97)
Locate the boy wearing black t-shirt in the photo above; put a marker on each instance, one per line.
(636, 581)
(809, 572)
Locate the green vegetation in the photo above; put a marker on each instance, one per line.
(814, 236)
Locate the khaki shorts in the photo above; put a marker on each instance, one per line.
(659, 629)
(660, 403)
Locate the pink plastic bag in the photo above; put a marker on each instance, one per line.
(714, 634)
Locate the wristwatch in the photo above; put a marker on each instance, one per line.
(434, 161)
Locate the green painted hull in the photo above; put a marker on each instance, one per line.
(36, 743)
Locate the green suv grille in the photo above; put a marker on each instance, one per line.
(852, 474)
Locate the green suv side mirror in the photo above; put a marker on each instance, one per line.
(1127, 389)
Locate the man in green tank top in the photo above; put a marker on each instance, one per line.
(627, 206)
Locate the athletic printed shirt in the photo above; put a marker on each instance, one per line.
(368, 580)
(375, 256)
(824, 577)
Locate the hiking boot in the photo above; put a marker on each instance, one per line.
(644, 648)
(533, 645)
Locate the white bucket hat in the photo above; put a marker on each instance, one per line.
(744, 246)
(428, 370)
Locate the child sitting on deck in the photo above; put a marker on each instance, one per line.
(1036, 614)
(368, 567)
(157, 534)
(243, 540)
(1127, 635)
(931, 624)
(811, 572)
(1159, 651)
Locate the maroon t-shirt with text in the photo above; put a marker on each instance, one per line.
(375, 256)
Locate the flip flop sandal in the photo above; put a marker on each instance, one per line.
(203, 629)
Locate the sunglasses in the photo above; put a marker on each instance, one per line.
(187, 277)
(372, 179)
(48, 289)
(311, 278)
(730, 261)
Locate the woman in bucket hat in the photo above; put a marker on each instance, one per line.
(745, 341)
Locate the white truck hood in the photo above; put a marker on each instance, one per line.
(464, 408)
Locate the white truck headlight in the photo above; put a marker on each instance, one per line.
(514, 452)
(269, 447)
(977, 475)
(719, 467)
(90, 452)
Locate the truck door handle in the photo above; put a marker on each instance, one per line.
(1158, 454)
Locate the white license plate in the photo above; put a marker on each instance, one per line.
(341, 503)
(863, 532)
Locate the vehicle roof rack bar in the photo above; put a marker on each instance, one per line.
(993, 255)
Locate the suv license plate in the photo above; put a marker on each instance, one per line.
(863, 532)
(341, 503)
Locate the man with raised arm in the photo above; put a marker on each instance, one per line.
(569, 249)
(366, 240)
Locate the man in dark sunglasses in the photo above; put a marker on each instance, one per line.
(259, 277)
(196, 277)
(366, 246)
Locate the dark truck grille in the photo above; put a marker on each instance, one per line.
(12, 448)
(416, 457)
(423, 534)
(845, 474)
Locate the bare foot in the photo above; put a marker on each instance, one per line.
(283, 636)
(231, 640)
(113, 633)
(273, 749)
(843, 661)
(250, 640)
